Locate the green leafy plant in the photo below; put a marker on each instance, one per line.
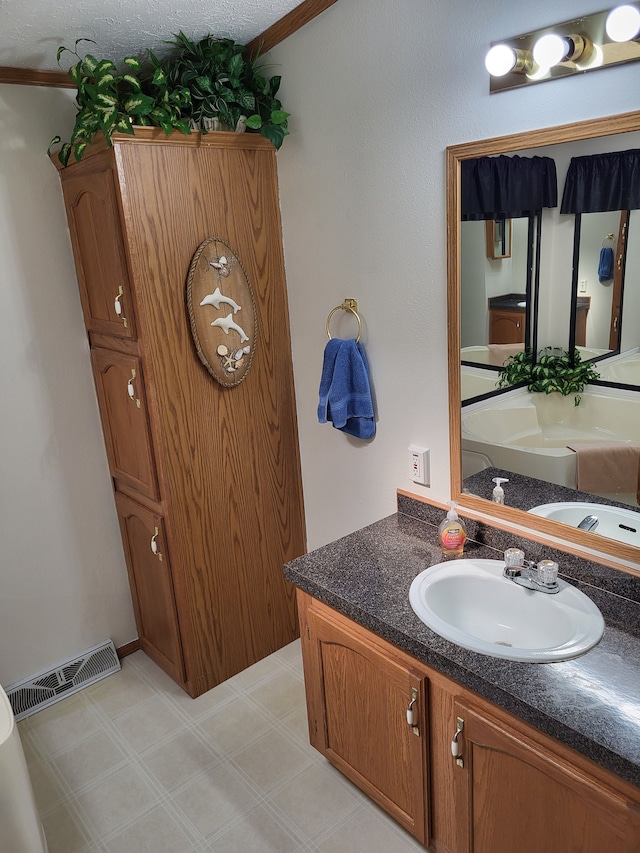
(224, 86)
(201, 85)
(552, 372)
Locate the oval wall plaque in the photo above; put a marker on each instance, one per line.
(222, 312)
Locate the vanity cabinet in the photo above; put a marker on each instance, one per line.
(367, 713)
(206, 477)
(506, 326)
(509, 788)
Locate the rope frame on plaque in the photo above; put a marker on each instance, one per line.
(226, 345)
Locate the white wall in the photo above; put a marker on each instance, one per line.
(64, 585)
(377, 91)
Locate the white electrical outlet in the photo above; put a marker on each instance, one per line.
(582, 287)
(419, 464)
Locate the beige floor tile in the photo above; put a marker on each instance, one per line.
(62, 832)
(366, 832)
(220, 797)
(116, 800)
(265, 668)
(280, 695)
(233, 726)
(89, 760)
(63, 724)
(45, 787)
(177, 761)
(148, 723)
(315, 800)
(291, 654)
(271, 760)
(298, 724)
(120, 691)
(156, 832)
(258, 833)
(202, 705)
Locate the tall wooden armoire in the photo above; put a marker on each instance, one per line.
(206, 477)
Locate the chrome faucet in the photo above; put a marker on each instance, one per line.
(540, 577)
(589, 522)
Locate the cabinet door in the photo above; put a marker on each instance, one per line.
(516, 794)
(125, 419)
(151, 585)
(358, 716)
(94, 224)
(506, 327)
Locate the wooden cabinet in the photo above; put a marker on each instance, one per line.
(519, 791)
(360, 695)
(125, 419)
(145, 545)
(215, 469)
(506, 327)
(510, 787)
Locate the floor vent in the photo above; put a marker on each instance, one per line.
(38, 692)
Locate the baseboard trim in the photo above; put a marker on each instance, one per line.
(128, 649)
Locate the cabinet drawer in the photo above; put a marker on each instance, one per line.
(125, 419)
(96, 237)
(147, 557)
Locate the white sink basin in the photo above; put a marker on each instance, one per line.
(470, 603)
(623, 525)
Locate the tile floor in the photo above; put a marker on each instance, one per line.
(132, 764)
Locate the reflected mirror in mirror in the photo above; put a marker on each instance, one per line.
(533, 436)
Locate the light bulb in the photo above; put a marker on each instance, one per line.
(550, 50)
(623, 23)
(500, 60)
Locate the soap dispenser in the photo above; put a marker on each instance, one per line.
(451, 533)
(498, 492)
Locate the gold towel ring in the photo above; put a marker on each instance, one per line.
(348, 305)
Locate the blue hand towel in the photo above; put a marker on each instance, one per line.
(345, 390)
(605, 267)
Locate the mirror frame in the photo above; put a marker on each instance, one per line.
(455, 154)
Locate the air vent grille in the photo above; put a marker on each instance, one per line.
(38, 692)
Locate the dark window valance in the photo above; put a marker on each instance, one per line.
(507, 187)
(601, 182)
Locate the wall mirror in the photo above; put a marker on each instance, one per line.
(573, 306)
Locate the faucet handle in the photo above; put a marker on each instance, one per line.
(547, 572)
(514, 557)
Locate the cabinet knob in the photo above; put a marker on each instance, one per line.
(131, 391)
(456, 748)
(154, 545)
(117, 306)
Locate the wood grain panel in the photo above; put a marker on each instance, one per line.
(286, 26)
(233, 449)
(34, 77)
(361, 693)
(125, 420)
(94, 225)
(151, 585)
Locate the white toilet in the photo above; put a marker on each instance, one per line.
(20, 827)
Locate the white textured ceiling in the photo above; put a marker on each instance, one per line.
(32, 30)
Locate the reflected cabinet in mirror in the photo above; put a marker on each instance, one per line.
(544, 339)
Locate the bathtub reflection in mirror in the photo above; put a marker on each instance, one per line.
(511, 429)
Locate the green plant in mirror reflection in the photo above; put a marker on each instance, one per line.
(553, 371)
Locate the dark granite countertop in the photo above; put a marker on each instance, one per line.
(508, 302)
(590, 703)
(524, 492)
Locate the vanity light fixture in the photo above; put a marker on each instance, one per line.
(623, 23)
(595, 41)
